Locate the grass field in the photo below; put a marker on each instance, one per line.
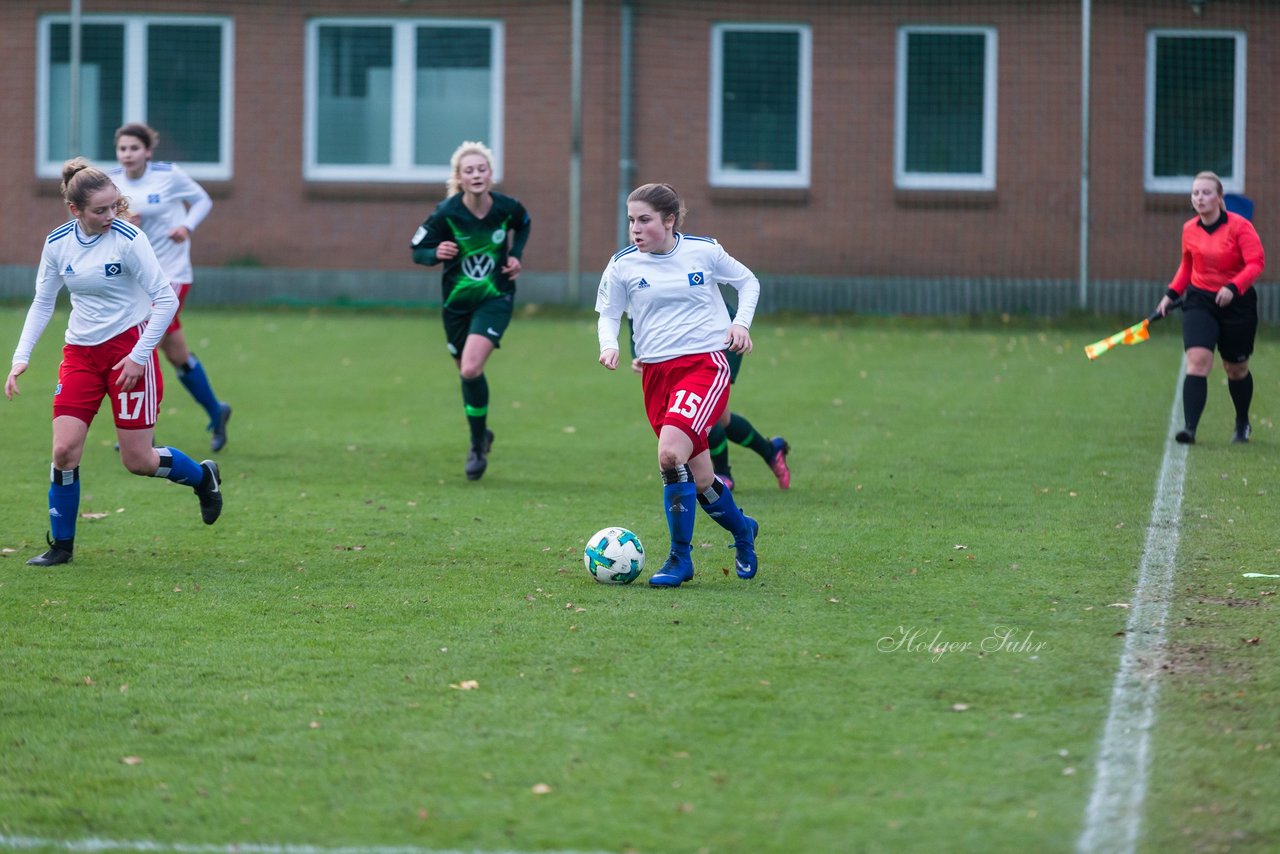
(369, 651)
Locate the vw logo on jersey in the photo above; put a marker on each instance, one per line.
(114, 268)
(697, 278)
(478, 267)
(498, 236)
(153, 198)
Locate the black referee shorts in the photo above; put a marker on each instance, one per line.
(1229, 330)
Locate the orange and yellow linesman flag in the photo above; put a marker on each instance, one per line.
(1135, 334)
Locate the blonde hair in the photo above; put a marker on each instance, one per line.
(454, 184)
(663, 198)
(81, 179)
(1212, 176)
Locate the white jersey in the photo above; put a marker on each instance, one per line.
(166, 197)
(115, 283)
(674, 298)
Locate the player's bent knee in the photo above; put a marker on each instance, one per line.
(669, 458)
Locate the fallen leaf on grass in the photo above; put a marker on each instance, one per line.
(88, 515)
(465, 685)
(960, 707)
(958, 547)
(1254, 641)
(131, 760)
(1118, 605)
(540, 789)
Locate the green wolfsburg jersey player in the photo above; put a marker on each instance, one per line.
(479, 235)
(475, 274)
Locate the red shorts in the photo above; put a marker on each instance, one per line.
(86, 377)
(688, 392)
(181, 291)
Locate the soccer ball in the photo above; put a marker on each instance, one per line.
(614, 556)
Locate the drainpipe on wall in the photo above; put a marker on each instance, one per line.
(626, 164)
(575, 154)
(1085, 44)
(73, 98)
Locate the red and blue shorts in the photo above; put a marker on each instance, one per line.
(87, 375)
(687, 392)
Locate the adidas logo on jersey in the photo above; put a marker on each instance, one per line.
(68, 271)
(643, 283)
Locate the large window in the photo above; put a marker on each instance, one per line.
(945, 111)
(1194, 109)
(389, 100)
(760, 105)
(174, 73)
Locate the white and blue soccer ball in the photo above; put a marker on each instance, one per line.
(614, 556)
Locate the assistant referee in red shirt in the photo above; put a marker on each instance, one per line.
(1222, 257)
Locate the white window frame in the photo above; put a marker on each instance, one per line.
(403, 65)
(984, 180)
(1182, 183)
(718, 175)
(135, 84)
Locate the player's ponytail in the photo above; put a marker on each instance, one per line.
(81, 179)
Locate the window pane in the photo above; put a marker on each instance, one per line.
(945, 102)
(759, 106)
(1195, 105)
(354, 96)
(184, 89)
(101, 90)
(452, 77)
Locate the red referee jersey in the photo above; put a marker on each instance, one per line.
(1225, 253)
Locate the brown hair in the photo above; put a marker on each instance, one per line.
(80, 180)
(454, 184)
(145, 133)
(663, 198)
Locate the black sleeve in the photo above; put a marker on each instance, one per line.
(425, 240)
(521, 230)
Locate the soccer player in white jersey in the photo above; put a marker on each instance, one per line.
(121, 303)
(168, 205)
(667, 282)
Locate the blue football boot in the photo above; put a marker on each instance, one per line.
(745, 559)
(676, 571)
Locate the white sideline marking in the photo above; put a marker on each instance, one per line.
(31, 842)
(1114, 815)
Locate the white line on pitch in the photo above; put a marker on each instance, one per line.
(1113, 818)
(27, 843)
